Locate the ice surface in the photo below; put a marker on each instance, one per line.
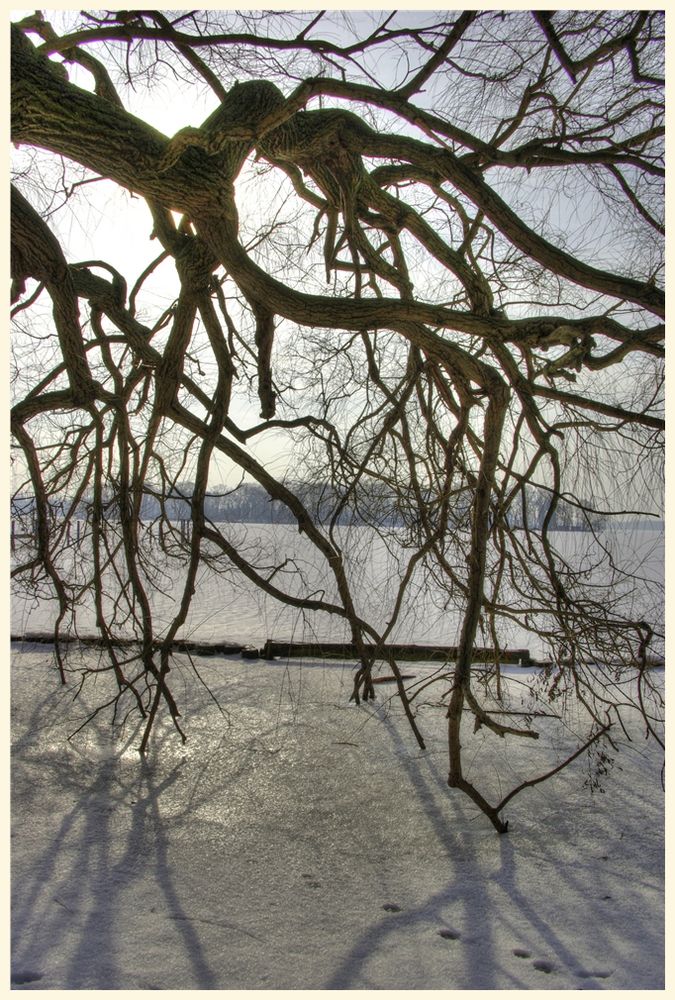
(300, 842)
(228, 608)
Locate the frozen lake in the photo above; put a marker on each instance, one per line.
(230, 608)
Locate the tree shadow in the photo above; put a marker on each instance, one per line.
(84, 875)
(449, 824)
(500, 889)
(109, 868)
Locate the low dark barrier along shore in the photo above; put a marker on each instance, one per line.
(299, 650)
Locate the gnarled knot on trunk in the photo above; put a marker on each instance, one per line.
(230, 129)
(326, 144)
(195, 263)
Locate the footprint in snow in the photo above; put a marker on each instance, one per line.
(449, 934)
(585, 974)
(542, 965)
(19, 978)
(521, 953)
(311, 882)
(392, 908)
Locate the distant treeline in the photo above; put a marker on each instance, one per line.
(249, 503)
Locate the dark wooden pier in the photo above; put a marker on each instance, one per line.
(302, 650)
(399, 651)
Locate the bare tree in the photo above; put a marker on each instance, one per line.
(431, 245)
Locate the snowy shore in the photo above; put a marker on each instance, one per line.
(300, 842)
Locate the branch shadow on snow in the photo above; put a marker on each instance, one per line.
(71, 911)
(105, 871)
(500, 888)
(429, 784)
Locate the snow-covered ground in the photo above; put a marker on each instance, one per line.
(300, 842)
